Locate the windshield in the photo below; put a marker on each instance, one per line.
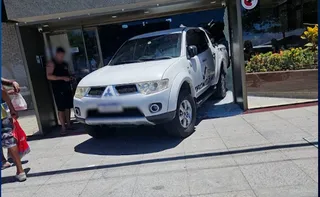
(147, 49)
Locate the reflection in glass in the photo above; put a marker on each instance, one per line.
(79, 59)
(280, 48)
(90, 38)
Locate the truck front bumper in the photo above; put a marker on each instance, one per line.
(151, 120)
(136, 110)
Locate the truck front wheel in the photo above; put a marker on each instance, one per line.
(184, 122)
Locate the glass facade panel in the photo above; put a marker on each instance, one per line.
(215, 21)
(92, 48)
(78, 51)
(280, 46)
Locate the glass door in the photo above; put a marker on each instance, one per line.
(92, 44)
(78, 54)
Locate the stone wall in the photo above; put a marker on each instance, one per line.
(12, 66)
(12, 62)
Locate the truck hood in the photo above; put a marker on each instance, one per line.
(128, 73)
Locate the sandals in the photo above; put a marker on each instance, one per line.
(6, 165)
(21, 177)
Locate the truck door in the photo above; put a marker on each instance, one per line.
(202, 64)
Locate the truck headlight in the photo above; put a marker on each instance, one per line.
(153, 86)
(80, 92)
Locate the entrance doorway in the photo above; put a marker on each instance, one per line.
(82, 46)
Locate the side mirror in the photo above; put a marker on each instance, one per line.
(192, 50)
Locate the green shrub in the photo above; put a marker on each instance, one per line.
(293, 59)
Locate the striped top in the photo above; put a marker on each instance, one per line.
(3, 112)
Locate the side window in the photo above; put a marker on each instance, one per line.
(197, 38)
(203, 41)
(191, 38)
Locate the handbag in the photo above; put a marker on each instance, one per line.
(21, 138)
(18, 102)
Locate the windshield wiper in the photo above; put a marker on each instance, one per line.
(159, 58)
(127, 62)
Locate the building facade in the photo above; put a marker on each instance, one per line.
(263, 43)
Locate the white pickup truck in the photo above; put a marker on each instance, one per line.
(158, 78)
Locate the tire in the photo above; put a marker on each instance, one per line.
(99, 132)
(175, 127)
(221, 86)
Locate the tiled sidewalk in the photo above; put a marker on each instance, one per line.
(259, 154)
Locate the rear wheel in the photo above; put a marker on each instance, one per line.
(98, 131)
(221, 86)
(185, 118)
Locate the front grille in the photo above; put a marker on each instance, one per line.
(96, 91)
(126, 89)
(128, 112)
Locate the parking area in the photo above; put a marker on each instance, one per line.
(261, 154)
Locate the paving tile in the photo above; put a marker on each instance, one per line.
(46, 164)
(70, 177)
(74, 140)
(36, 170)
(309, 166)
(115, 187)
(166, 185)
(205, 124)
(83, 160)
(142, 165)
(228, 121)
(229, 131)
(237, 141)
(167, 166)
(8, 183)
(313, 109)
(203, 145)
(276, 136)
(302, 152)
(202, 133)
(307, 121)
(210, 162)
(275, 174)
(216, 181)
(263, 116)
(19, 191)
(292, 191)
(27, 192)
(293, 113)
(116, 172)
(246, 193)
(278, 125)
(312, 130)
(259, 157)
(72, 189)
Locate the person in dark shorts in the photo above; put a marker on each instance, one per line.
(58, 74)
(7, 139)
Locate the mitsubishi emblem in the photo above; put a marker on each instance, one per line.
(108, 93)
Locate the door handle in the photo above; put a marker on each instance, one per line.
(204, 60)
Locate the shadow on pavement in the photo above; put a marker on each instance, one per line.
(215, 109)
(209, 110)
(12, 179)
(6, 180)
(130, 141)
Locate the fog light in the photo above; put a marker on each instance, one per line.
(155, 107)
(77, 111)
